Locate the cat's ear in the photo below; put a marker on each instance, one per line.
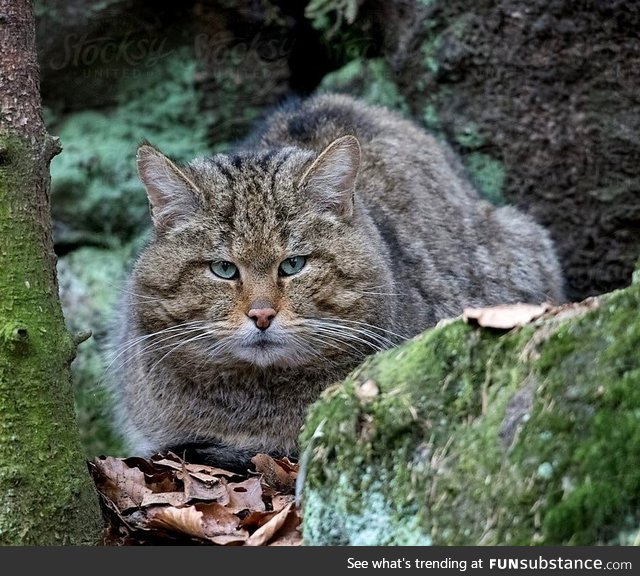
(173, 197)
(331, 179)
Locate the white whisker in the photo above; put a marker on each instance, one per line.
(365, 325)
(179, 345)
(177, 331)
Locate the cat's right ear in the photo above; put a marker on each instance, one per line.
(173, 197)
(331, 179)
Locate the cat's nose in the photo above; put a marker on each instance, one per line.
(262, 317)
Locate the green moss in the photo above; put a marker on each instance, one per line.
(368, 79)
(39, 444)
(479, 437)
(592, 364)
(487, 174)
(431, 119)
(427, 391)
(96, 192)
(469, 136)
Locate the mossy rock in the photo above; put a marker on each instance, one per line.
(470, 436)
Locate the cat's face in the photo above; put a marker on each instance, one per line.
(260, 259)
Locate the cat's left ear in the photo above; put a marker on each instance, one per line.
(331, 179)
(173, 197)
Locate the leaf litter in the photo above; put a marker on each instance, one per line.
(166, 500)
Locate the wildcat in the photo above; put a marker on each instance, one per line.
(338, 229)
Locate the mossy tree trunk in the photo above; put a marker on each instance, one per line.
(46, 495)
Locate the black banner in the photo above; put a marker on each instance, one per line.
(201, 560)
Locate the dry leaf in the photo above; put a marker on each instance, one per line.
(263, 534)
(256, 519)
(165, 499)
(173, 461)
(228, 540)
(278, 474)
(504, 317)
(245, 495)
(214, 489)
(289, 534)
(162, 498)
(217, 520)
(124, 486)
(279, 501)
(187, 520)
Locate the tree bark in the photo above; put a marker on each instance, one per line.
(46, 495)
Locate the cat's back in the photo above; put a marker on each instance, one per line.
(394, 149)
(315, 122)
(448, 245)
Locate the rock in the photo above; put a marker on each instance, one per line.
(484, 437)
(549, 97)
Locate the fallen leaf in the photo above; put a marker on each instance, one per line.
(256, 519)
(263, 534)
(228, 540)
(187, 520)
(162, 498)
(163, 481)
(174, 461)
(504, 317)
(278, 474)
(573, 309)
(213, 490)
(279, 501)
(289, 534)
(245, 495)
(217, 520)
(167, 500)
(123, 485)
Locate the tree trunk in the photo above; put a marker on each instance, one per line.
(46, 495)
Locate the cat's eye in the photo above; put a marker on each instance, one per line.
(225, 270)
(292, 265)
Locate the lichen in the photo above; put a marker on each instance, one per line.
(469, 136)
(429, 50)
(480, 437)
(38, 430)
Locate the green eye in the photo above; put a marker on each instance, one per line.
(224, 269)
(292, 265)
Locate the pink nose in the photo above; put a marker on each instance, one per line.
(262, 317)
